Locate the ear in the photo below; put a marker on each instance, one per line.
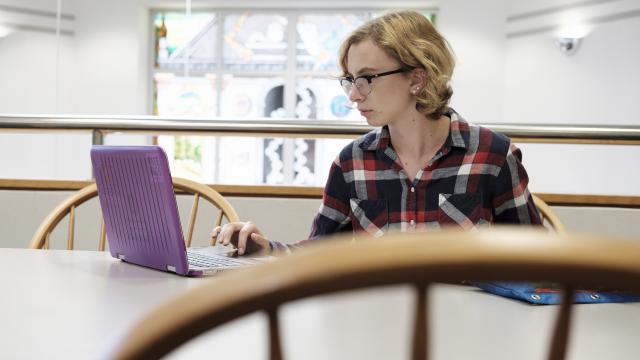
(418, 80)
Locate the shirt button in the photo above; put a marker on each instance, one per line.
(413, 189)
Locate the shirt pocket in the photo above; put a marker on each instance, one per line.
(370, 216)
(464, 210)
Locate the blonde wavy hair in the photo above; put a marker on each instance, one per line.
(410, 38)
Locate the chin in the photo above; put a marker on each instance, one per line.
(374, 121)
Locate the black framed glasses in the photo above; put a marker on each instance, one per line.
(363, 82)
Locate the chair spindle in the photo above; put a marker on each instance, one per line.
(72, 226)
(420, 329)
(192, 218)
(275, 349)
(560, 335)
(103, 236)
(218, 223)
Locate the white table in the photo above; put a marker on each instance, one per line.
(76, 304)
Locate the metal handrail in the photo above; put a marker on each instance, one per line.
(289, 127)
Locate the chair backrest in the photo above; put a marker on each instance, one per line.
(68, 207)
(547, 214)
(502, 254)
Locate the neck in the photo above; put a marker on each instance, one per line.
(418, 135)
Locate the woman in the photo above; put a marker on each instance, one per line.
(424, 166)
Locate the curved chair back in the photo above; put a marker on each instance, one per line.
(502, 254)
(68, 207)
(547, 214)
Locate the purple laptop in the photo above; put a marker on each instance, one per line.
(141, 214)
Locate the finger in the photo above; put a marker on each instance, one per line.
(227, 232)
(243, 236)
(215, 232)
(225, 235)
(222, 235)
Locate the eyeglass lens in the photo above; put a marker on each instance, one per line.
(362, 85)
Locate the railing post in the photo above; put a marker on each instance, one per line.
(97, 137)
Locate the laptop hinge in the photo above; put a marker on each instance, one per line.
(171, 268)
(121, 256)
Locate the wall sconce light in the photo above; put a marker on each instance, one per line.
(568, 45)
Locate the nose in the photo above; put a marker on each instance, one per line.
(355, 95)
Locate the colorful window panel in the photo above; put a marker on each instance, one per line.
(185, 40)
(255, 41)
(319, 39)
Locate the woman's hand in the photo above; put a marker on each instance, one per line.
(243, 235)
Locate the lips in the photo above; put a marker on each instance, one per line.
(365, 112)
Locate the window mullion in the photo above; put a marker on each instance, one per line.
(290, 94)
(219, 59)
(290, 80)
(220, 16)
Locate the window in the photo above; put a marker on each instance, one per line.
(238, 64)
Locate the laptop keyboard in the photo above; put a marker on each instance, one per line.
(208, 261)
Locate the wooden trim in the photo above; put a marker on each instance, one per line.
(48, 185)
(543, 140)
(310, 192)
(305, 192)
(591, 200)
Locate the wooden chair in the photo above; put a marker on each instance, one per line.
(500, 254)
(546, 213)
(40, 239)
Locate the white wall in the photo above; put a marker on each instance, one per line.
(102, 70)
(477, 38)
(599, 84)
(111, 47)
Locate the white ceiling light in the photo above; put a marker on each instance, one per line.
(4, 31)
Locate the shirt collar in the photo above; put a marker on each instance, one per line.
(379, 138)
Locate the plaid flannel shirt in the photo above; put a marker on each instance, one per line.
(475, 178)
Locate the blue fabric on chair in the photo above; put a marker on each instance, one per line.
(546, 294)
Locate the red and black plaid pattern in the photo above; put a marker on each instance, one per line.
(476, 178)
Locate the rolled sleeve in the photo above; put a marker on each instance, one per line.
(512, 201)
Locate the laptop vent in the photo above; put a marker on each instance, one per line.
(138, 211)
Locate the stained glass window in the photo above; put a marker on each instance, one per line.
(319, 39)
(185, 40)
(238, 64)
(177, 95)
(255, 41)
(245, 97)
